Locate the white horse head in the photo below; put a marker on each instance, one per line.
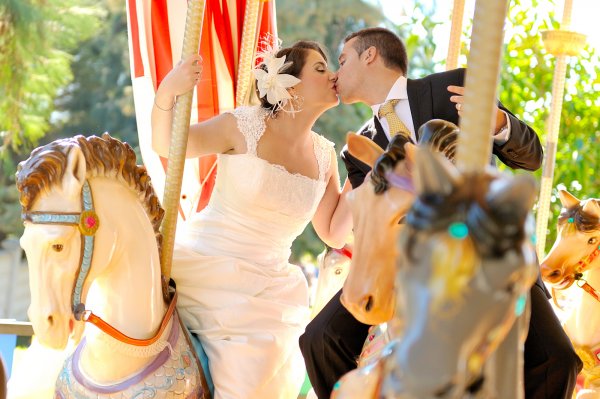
(577, 245)
(575, 258)
(91, 230)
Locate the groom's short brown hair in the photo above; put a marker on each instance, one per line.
(388, 44)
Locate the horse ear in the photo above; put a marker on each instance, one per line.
(363, 148)
(591, 207)
(75, 172)
(567, 199)
(512, 194)
(434, 174)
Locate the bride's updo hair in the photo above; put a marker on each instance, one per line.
(295, 55)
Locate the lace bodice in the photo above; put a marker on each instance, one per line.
(260, 205)
(251, 121)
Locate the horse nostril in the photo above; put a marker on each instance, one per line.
(550, 274)
(554, 274)
(369, 304)
(50, 321)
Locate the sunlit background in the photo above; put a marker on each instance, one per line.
(67, 73)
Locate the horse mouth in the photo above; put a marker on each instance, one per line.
(564, 283)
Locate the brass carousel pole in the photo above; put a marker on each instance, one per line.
(474, 149)
(458, 11)
(478, 117)
(179, 137)
(561, 43)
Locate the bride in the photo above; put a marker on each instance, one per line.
(237, 291)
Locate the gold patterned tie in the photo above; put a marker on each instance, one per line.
(396, 126)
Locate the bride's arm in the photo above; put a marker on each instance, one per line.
(333, 219)
(215, 135)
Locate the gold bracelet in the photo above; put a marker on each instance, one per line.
(163, 109)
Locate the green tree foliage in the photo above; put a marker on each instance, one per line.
(36, 41)
(526, 88)
(36, 38)
(100, 97)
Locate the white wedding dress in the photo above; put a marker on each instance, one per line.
(237, 290)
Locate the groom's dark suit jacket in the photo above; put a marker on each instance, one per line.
(333, 339)
(428, 99)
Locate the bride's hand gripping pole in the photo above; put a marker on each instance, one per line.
(179, 137)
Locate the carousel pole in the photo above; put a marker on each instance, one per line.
(560, 43)
(179, 137)
(472, 157)
(478, 117)
(247, 51)
(458, 11)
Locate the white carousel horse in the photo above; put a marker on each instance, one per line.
(334, 266)
(465, 266)
(574, 259)
(91, 235)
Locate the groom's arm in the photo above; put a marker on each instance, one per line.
(523, 149)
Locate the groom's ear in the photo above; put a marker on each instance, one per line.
(369, 54)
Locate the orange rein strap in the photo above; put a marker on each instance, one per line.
(581, 283)
(90, 317)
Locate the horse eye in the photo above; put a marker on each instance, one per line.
(338, 271)
(592, 240)
(57, 247)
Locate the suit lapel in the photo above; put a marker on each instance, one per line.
(379, 136)
(420, 102)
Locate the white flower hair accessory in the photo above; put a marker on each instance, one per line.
(270, 81)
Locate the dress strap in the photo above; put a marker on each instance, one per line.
(323, 149)
(251, 122)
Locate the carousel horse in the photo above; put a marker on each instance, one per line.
(376, 209)
(92, 243)
(574, 259)
(334, 266)
(465, 267)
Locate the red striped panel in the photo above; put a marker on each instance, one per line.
(138, 65)
(208, 95)
(223, 30)
(268, 22)
(161, 40)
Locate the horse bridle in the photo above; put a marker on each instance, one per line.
(88, 223)
(582, 266)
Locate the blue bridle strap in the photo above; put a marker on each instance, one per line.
(87, 223)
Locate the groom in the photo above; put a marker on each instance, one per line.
(373, 66)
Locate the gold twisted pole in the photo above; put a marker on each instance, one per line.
(458, 11)
(560, 43)
(478, 117)
(247, 50)
(179, 136)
